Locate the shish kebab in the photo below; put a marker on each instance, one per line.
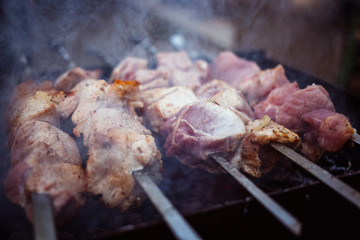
(121, 149)
(225, 125)
(45, 162)
(309, 112)
(134, 68)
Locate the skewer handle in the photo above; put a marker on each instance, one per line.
(340, 187)
(43, 217)
(175, 221)
(273, 207)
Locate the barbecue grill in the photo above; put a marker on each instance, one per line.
(216, 205)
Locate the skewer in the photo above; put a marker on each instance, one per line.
(356, 138)
(175, 221)
(340, 187)
(43, 217)
(289, 221)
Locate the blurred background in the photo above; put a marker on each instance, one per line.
(319, 37)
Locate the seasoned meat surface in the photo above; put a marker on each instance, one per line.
(44, 159)
(118, 143)
(254, 156)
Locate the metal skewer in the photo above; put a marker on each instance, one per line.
(356, 138)
(43, 217)
(175, 221)
(340, 187)
(289, 221)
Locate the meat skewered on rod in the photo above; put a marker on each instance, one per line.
(121, 149)
(43, 217)
(44, 159)
(308, 111)
(162, 103)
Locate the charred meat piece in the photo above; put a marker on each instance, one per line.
(201, 129)
(254, 156)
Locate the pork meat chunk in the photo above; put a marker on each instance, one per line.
(118, 145)
(127, 68)
(311, 98)
(332, 129)
(162, 103)
(254, 156)
(258, 87)
(276, 98)
(181, 70)
(199, 130)
(223, 94)
(69, 79)
(232, 69)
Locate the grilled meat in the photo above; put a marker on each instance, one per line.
(118, 143)
(44, 159)
(195, 127)
(127, 68)
(231, 69)
(69, 79)
(226, 96)
(161, 103)
(288, 105)
(332, 129)
(201, 129)
(253, 155)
